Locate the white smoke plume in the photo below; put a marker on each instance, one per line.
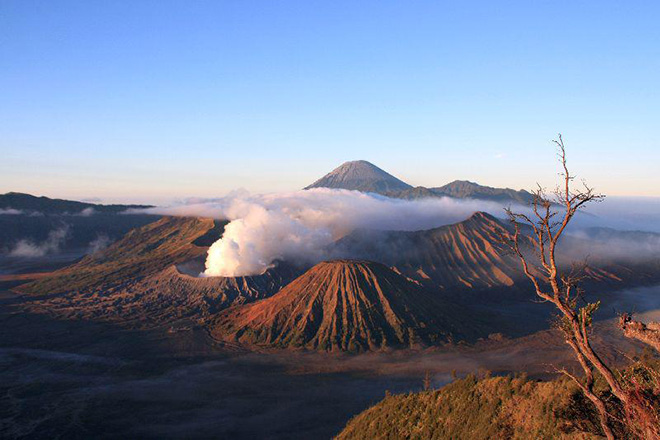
(52, 244)
(87, 212)
(300, 225)
(10, 211)
(101, 242)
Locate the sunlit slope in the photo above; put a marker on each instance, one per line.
(137, 281)
(360, 175)
(345, 305)
(466, 254)
(490, 408)
(472, 255)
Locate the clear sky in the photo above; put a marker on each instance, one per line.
(156, 100)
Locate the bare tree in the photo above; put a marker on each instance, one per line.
(427, 380)
(534, 240)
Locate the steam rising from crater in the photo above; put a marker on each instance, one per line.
(299, 226)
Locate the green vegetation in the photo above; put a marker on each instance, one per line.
(511, 407)
(471, 408)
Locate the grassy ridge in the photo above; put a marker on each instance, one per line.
(490, 408)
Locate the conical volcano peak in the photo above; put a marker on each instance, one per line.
(484, 224)
(351, 272)
(359, 169)
(360, 175)
(343, 305)
(347, 263)
(484, 217)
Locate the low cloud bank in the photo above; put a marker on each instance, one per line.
(52, 244)
(611, 245)
(10, 211)
(87, 212)
(625, 213)
(101, 242)
(300, 225)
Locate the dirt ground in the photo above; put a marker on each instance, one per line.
(81, 379)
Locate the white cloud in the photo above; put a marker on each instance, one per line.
(10, 211)
(52, 244)
(300, 225)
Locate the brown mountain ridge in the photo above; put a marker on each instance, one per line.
(144, 280)
(345, 305)
(470, 255)
(141, 281)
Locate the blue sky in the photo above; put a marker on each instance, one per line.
(157, 100)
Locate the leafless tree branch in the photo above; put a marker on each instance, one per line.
(544, 228)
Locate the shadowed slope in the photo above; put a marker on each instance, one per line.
(45, 205)
(171, 294)
(140, 253)
(416, 193)
(167, 297)
(343, 305)
(464, 189)
(136, 281)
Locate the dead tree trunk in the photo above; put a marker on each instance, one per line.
(546, 224)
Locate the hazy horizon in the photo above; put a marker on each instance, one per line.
(168, 199)
(277, 286)
(154, 101)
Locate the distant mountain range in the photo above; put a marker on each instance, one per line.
(27, 203)
(30, 224)
(364, 176)
(464, 189)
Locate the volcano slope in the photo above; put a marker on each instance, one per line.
(140, 253)
(346, 305)
(136, 281)
(470, 255)
(360, 175)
